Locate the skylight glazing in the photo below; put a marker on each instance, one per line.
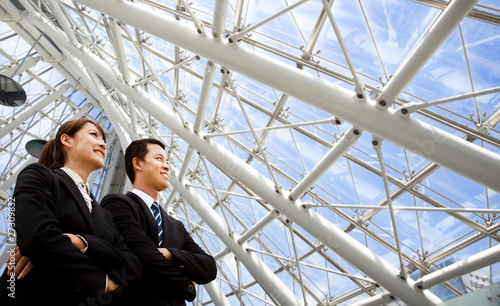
(274, 178)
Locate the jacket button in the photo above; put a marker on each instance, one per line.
(78, 287)
(181, 268)
(190, 288)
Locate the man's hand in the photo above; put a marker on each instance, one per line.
(23, 264)
(76, 241)
(166, 253)
(111, 284)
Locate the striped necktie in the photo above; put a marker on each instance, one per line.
(156, 213)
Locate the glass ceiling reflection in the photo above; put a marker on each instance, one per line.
(276, 134)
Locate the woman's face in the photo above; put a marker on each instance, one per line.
(86, 147)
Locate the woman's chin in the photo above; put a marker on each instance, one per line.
(98, 165)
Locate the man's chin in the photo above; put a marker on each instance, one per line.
(165, 186)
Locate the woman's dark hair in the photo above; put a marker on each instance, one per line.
(52, 155)
(139, 149)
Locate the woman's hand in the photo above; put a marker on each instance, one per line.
(23, 264)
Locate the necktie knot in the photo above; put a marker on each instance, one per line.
(155, 208)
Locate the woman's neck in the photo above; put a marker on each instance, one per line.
(81, 171)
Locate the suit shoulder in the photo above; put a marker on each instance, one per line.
(35, 173)
(113, 196)
(116, 198)
(38, 168)
(176, 221)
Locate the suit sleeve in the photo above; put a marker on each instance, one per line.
(114, 257)
(195, 262)
(169, 277)
(39, 235)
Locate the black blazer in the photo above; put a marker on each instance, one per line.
(48, 204)
(161, 278)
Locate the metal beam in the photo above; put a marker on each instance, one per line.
(359, 87)
(376, 300)
(335, 153)
(20, 68)
(63, 21)
(49, 53)
(29, 112)
(447, 150)
(117, 41)
(206, 86)
(313, 39)
(237, 36)
(220, 13)
(112, 166)
(258, 226)
(471, 264)
(10, 180)
(446, 23)
(259, 270)
(218, 297)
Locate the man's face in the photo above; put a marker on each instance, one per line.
(154, 169)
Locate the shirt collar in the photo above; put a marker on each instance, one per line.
(144, 196)
(76, 178)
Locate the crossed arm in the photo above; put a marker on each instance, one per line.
(23, 264)
(183, 268)
(40, 237)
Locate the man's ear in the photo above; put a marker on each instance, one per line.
(66, 140)
(136, 163)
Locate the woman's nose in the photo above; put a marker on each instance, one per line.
(102, 144)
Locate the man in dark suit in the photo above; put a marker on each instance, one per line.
(172, 263)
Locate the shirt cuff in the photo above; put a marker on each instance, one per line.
(86, 245)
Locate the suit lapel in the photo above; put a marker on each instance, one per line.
(166, 226)
(97, 213)
(144, 209)
(68, 183)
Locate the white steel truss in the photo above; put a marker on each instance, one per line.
(282, 226)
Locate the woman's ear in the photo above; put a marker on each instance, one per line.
(66, 140)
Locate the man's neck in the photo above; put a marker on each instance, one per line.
(148, 190)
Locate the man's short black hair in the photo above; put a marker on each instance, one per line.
(139, 149)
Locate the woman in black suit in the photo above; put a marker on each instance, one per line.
(77, 256)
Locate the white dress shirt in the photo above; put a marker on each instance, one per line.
(146, 198)
(83, 187)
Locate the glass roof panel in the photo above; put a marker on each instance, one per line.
(300, 191)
